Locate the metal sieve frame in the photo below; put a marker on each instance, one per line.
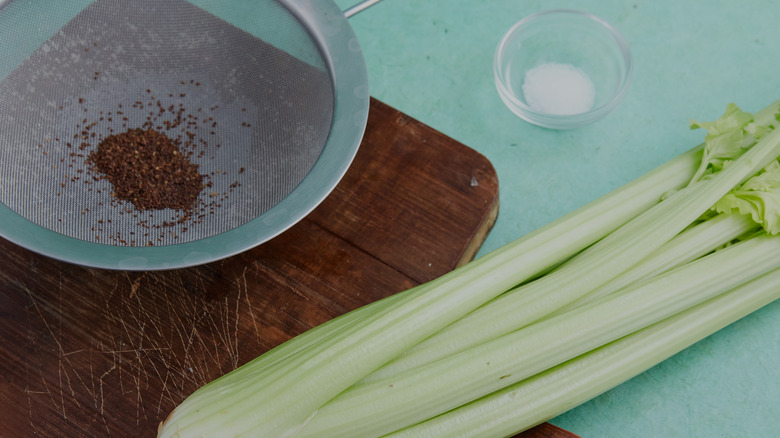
(331, 30)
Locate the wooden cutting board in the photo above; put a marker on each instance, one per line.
(89, 352)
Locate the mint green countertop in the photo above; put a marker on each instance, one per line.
(433, 60)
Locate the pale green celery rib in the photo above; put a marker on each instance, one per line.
(767, 116)
(557, 390)
(687, 246)
(431, 390)
(282, 404)
(592, 268)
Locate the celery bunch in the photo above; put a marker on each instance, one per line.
(534, 328)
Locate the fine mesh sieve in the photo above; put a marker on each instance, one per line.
(268, 98)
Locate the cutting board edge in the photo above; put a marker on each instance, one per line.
(481, 234)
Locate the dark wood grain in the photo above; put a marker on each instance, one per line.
(89, 352)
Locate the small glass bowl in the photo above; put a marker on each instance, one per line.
(565, 45)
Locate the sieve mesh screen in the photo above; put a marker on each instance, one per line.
(241, 85)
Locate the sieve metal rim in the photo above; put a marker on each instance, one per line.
(341, 50)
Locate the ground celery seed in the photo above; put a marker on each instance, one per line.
(147, 169)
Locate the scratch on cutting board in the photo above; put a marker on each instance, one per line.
(60, 398)
(33, 424)
(242, 286)
(142, 351)
(61, 404)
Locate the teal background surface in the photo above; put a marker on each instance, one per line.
(432, 60)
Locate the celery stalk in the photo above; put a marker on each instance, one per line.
(424, 392)
(602, 262)
(555, 391)
(286, 390)
(252, 400)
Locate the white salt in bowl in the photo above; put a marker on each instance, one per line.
(562, 69)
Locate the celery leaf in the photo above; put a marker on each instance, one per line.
(727, 138)
(758, 197)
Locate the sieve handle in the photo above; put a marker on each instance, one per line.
(365, 4)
